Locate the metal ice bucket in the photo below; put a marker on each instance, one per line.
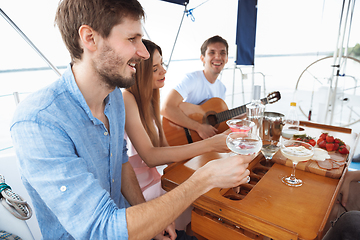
(272, 125)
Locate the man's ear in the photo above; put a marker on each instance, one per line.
(202, 59)
(88, 37)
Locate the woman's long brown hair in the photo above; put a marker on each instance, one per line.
(147, 98)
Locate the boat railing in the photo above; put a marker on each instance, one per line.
(6, 101)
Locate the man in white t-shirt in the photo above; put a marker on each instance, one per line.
(199, 86)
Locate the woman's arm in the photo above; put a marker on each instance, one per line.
(154, 156)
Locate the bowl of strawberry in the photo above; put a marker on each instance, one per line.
(330, 143)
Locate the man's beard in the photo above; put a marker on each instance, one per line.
(107, 65)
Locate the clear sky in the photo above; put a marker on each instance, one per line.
(283, 27)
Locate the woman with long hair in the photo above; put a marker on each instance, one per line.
(147, 144)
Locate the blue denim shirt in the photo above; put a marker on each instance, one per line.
(69, 162)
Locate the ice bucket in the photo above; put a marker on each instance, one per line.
(272, 126)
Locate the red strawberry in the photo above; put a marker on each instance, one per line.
(322, 144)
(319, 140)
(323, 135)
(312, 142)
(329, 139)
(329, 147)
(336, 146)
(343, 150)
(336, 140)
(340, 142)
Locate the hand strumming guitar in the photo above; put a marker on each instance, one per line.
(205, 130)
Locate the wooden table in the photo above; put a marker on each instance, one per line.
(265, 208)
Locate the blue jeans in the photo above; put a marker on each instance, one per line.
(346, 227)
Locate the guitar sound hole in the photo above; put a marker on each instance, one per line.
(211, 119)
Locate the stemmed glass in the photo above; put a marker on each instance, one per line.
(243, 144)
(268, 149)
(240, 125)
(296, 151)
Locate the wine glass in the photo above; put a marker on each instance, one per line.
(240, 125)
(243, 144)
(268, 149)
(296, 151)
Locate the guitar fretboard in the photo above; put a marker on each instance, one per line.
(226, 115)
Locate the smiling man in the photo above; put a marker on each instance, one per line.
(69, 136)
(199, 86)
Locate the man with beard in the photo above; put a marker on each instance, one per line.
(69, 136)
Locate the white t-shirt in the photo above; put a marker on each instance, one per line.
(195, 88)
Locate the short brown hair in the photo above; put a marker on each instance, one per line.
(214, 39)
(100, 15)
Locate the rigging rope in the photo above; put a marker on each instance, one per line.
(13, 202)
(190, 11)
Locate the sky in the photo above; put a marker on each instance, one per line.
(282, 27)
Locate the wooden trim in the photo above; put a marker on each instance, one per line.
(325, 127)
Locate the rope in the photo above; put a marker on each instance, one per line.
(190, 11)
(3, 149)
(13, 202)
(8, 236)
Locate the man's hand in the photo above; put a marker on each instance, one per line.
(224, 173)
(205, 131)
(168, 234)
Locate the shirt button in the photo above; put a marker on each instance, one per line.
(105, 133)
(113, 180)
(110, 154)
(63, 188)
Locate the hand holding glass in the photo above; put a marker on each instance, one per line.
(296, 151)
(243, 144)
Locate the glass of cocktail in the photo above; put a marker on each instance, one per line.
(240, 125)
(268, 149)
(296, 151)
(243, 143)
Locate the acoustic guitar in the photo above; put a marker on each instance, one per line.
(214, 112)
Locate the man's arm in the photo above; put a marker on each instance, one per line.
(132, 192)
(130, 187)
(173, 110)
(145, 220)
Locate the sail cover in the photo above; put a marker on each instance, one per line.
(246, 32)
(181, 2)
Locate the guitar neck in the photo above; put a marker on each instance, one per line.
(228, 114)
